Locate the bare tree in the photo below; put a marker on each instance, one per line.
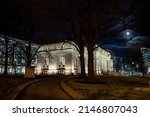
(27, 51)
(73, 35)
(87, 23)
(8, 45)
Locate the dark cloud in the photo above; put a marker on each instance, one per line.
(121, 45)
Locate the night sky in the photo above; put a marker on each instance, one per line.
(15, 14)
(137, 35)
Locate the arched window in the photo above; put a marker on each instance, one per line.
(62, 62)
(61, 66)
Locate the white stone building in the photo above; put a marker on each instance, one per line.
(63, 58)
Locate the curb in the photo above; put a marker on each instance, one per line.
(73, 94)
(142, 89)
(12, 94)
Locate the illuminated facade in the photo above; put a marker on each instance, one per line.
(56, 58)
(63, 58)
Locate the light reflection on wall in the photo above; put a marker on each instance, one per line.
(52, 69)
(148, 71)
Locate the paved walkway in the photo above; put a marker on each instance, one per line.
(52, 88)
(45, 89)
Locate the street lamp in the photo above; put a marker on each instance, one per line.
(132, 67)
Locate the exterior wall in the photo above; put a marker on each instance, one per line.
(52, 59)
(63, 58)
(103, 62)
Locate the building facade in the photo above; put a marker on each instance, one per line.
(146, 59)
(63, 58)
(56, 58)
(13, 49)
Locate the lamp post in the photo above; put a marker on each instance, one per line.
(132, 67)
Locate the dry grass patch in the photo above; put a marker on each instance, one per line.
(110, 87)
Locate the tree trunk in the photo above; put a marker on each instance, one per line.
(6, 57)
(82, 62)
(90, 49)
(6, 64)
(29, 71)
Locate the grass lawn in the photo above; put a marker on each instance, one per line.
(111, 87)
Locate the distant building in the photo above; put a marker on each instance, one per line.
(117, 63)
(146, 58)
(63, 58)
(16, 62)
